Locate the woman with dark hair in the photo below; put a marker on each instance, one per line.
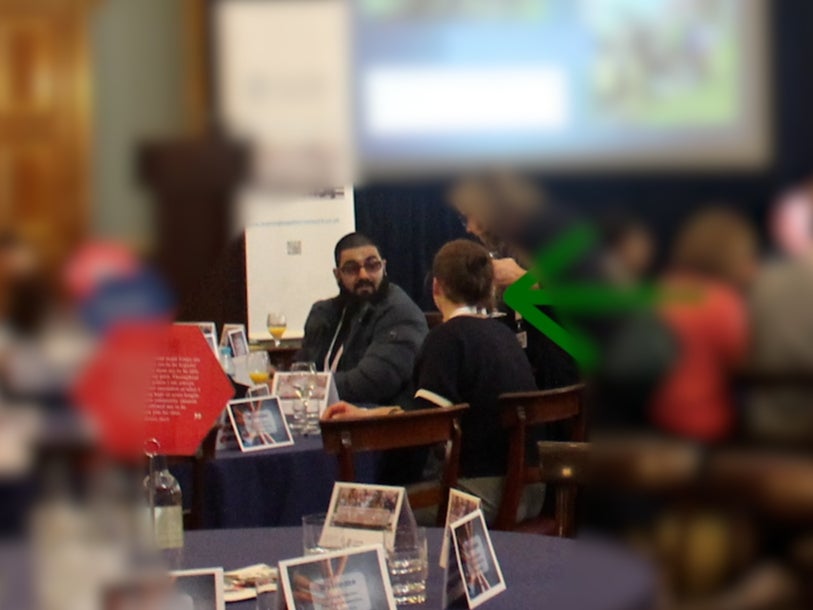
(469, 358)
(513, 218)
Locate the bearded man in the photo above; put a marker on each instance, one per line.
(369, 334)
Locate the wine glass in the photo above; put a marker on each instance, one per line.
(303, 382)
(259, 367)
(277, 323)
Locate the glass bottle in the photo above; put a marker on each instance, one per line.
(163, 494)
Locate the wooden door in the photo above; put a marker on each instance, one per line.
(44, 123)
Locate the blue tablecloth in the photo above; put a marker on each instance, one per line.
(540, 572)
(275, 487)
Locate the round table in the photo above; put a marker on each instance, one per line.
(539, 571)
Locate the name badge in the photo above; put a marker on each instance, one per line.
(522, 337)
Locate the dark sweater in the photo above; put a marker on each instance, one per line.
(474, 360)
(380, 340)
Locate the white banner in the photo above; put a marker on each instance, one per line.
(289, 254)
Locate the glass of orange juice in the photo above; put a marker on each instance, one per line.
(277, 323)
(259, 367)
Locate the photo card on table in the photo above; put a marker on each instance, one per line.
(354, 579)
(477, 564)
(460, 505)
(287, 387)
(238, 342)
(227, 328)
(259, 424)
(361, 514)
(226, 439)
(209, 330)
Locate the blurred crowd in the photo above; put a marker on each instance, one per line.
(719, 354)
(706, 381)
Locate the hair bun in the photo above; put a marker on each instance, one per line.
(476, 264)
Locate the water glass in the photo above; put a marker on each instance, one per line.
(312, 526)
(298, 417)
(304, 382)
(408, 565)
(312, 417)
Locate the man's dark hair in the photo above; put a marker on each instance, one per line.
(350, 241)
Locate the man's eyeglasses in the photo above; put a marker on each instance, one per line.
(352, 268)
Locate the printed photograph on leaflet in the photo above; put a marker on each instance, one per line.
(259, 424)
(460, 505)
(476, 561)
(359, 514)
(351, 579)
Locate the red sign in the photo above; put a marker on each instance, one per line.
(153, 383)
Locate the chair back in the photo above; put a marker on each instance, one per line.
(520, 412)
(345, 437)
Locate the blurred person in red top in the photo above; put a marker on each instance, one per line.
(713, 261)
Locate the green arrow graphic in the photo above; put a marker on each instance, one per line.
(527, 294)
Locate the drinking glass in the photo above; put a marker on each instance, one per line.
(259, 367)
(312, 526)
(303, 381)
(277, 323)
(408, 564)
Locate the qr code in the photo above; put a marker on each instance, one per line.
(294, 248)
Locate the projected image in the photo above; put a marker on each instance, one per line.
(558, 80)
(651, 70)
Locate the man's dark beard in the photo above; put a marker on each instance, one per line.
(354, 300)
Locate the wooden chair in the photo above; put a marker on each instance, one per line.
(345, 437)
(520, 412)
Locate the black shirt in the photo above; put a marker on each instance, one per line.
(473, 360)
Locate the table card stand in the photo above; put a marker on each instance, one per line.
(407, 526)
(349, 578)
(460, 504)
(351, 521)
(259, 423)
(474, 576)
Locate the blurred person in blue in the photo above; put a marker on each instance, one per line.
(369, 334)
(781, 309)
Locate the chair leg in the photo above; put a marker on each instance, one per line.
(566, 510)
